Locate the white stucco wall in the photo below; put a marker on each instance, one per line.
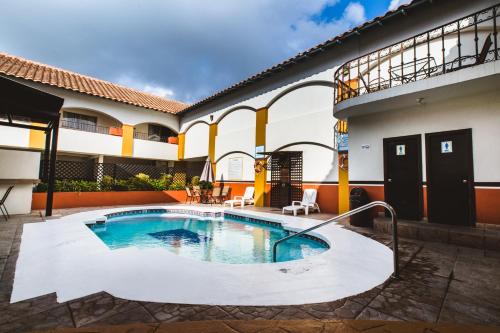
(74, 141)
(479, 112)
(196, 144)
(16, 166)
(154, 150)
(14, 137)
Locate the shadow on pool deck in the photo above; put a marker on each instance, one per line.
(440, 283)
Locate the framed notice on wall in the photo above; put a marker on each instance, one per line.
(235, 168)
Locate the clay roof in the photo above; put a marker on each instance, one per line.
(37, 72)
(401, 10)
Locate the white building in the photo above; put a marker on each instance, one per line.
(416, 87)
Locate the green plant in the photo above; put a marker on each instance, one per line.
(107, 183)
(177, 185)
(40, 187)
(195, 180)
(206, 185)
(140, 182)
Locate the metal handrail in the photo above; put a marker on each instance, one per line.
(350, 213)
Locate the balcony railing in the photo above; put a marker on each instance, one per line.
(150, 137)
(466, 42)
(85, 127)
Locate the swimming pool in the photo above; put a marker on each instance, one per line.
(226, 240)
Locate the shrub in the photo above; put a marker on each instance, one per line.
(140, 182)
(206, 185)
(177, 185)
(195, 180)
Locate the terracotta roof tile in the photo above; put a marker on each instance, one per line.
(29, 70)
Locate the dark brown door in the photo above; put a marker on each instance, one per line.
(286, 178)
(450, 177)
(403, 176)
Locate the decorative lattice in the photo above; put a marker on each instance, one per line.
(88, 170)
(286, 178)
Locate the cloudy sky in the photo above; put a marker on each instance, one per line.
(184, 49)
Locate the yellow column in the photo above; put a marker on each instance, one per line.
(212, 133)
(37, 138)
(343, 172)
(127, 140)
(182, 144)
(260, 140)
(343, 184)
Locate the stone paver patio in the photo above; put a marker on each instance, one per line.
(439, 283)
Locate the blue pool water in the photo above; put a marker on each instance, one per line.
(227, 240)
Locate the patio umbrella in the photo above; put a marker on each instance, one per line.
(208, 174)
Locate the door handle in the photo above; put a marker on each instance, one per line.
(389, 180)
(464, 181)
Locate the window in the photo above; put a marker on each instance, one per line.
(158, 133)
(79, 121)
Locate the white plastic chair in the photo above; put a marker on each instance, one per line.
(244, 199)
(308, 203)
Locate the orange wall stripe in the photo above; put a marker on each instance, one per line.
(37, 138)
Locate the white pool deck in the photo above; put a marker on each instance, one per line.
(64, 256)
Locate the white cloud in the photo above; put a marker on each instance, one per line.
(182, 49)
(396, 3)
(153, 89)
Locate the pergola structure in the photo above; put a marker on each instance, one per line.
(27, 107)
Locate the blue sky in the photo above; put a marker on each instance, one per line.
(185, 50)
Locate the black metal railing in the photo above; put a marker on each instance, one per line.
(466, 42)
(75, 125)
(150, 137)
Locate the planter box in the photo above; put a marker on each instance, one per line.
(96, 199)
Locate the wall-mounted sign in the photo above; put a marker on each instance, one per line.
(400, 150)
(235, 168)
(258, 152)
(446, 147)
(342, 143)
(365, 146)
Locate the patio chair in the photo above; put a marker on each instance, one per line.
(215, 196)
(244, 199)
(2, 203)
(189, 195)
(197, 192)
(307, 204)
(225, 192)
(477, 60)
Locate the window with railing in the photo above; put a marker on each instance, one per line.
(82, 122)
(155, 133)
(463, 43)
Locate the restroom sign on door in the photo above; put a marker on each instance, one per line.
(446, 147)
(400, 150)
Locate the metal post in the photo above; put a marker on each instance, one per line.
(495, 31)
(46, 156)
(52, 168)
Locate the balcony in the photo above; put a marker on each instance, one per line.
(154, 147)
(79, 126)
(456, 50)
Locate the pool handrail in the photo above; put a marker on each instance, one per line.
(372, 204)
